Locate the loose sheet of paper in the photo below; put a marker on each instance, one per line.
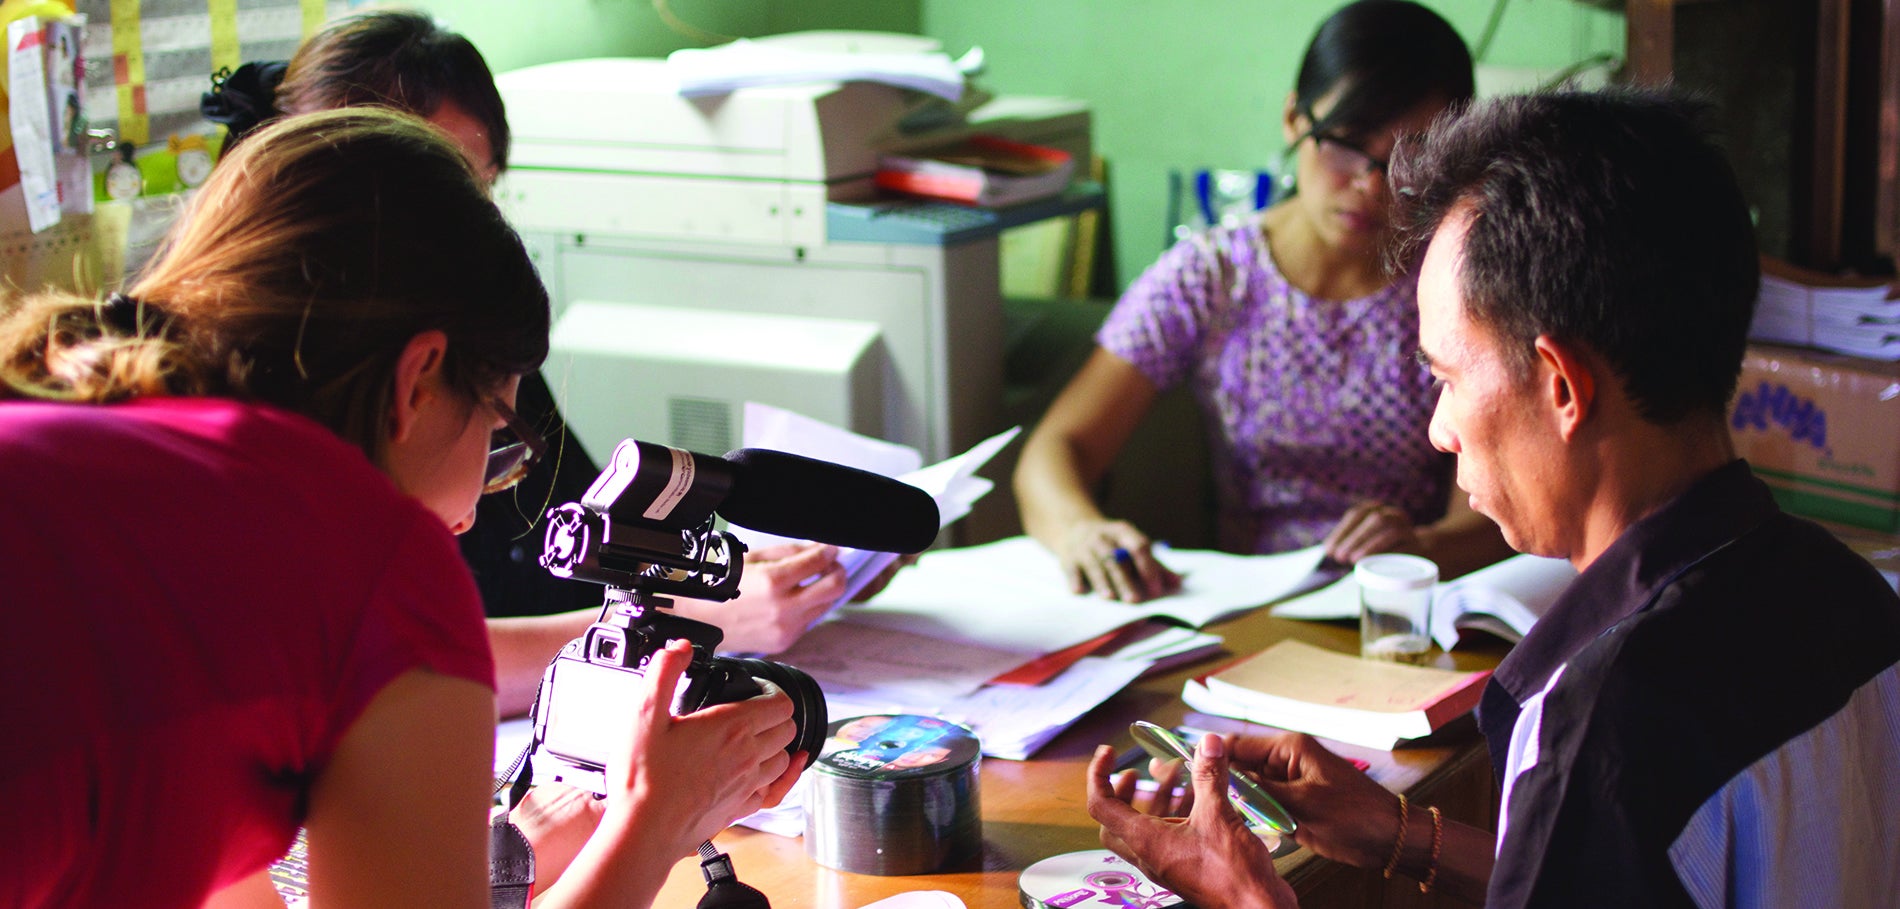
(952, 482)
(743, 64)
(1338, 600)
(881, 669)
(1010, 595)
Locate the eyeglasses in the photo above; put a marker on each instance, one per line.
(1342, 156)
(514, 449)
(1345, 158)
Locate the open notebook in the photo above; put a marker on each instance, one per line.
(1504, 599)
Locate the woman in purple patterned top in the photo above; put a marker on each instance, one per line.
(1297, 343)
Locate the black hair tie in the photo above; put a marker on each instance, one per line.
(121, 313)
(243, 98)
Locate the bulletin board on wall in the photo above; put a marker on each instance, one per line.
(148, 61)
(145, 65)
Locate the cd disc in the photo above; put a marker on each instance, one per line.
(1088, 879)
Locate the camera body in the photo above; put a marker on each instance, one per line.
(645, 528)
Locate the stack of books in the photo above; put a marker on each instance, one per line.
(1303, 688)
(981, 170)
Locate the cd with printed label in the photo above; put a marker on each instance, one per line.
(1088, 879)
(894, 747)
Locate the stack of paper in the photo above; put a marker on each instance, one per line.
(1859, 321)
(1162, 646)
(865, 670)
(939, 637)
(1011, 595)
(746, 63)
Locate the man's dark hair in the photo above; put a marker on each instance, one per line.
(1605, 219)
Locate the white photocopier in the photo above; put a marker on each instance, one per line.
(702, 252)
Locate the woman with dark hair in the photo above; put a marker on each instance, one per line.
(233, 604)
(1297, 340)
(397, 59)
(406, 61)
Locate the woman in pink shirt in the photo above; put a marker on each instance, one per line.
(234, 605)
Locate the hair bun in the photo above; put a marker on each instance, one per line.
(243, 98)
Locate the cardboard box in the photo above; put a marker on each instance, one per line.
(1823, 430)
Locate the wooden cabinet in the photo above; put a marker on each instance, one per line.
(1808, 95)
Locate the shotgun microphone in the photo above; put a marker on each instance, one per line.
(804, 498)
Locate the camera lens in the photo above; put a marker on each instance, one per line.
(808, 702)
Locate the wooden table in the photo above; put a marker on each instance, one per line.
(1037, 808)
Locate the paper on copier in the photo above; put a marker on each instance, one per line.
(787, 60)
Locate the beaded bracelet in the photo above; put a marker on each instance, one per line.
(1399, 844)
(1438, 840)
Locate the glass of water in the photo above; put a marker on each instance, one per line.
(1395, 606)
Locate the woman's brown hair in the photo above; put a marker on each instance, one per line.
(305, 266)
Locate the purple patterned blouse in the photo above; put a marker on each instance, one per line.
(1311, 405)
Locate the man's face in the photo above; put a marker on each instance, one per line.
(1488, 415)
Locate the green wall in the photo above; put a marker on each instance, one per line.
(1200, 83)
(1180, 84)
(513, 34)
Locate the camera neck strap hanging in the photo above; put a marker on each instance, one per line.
(723, 887)
(510, 863)
(510, 855)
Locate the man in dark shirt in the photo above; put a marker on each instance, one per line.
(1710, 715)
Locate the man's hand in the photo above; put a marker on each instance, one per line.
(1343, 814)
(1209, 857)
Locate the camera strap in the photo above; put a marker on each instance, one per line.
(522, 770)
(510, 855)
(510, 863)
(723, 888)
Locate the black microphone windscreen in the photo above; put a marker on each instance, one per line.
(794, 496)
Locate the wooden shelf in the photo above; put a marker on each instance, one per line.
(1808, 96)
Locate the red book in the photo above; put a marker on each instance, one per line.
(980, 170)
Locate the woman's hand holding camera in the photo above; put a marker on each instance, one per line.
(696, 773)
(674, 781)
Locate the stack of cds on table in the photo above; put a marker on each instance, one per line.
(894, 795)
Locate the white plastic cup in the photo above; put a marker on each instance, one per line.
(1395, 606)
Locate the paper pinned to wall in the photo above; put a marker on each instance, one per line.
(32, 126)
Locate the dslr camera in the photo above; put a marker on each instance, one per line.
(645, 531)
